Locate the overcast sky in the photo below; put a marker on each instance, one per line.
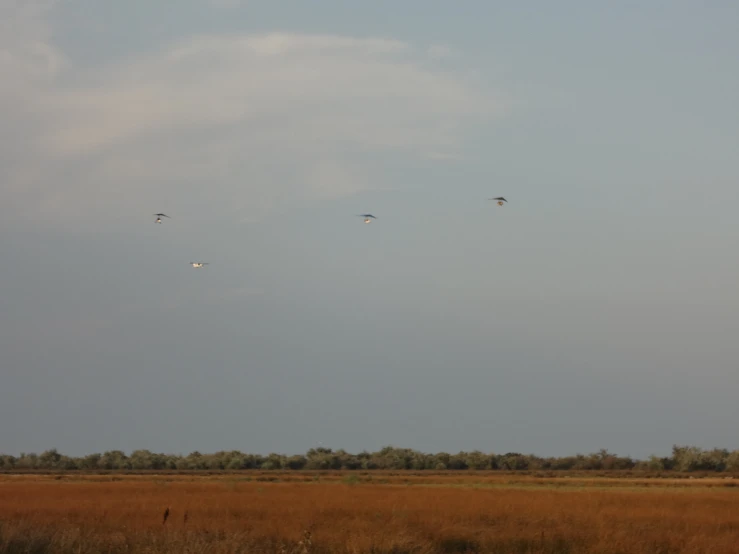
(599, 308)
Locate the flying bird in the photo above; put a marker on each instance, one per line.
(198, 264)
(500, 200)
(367, 217)
(160, 216)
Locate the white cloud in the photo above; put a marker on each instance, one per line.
(328, 88)
(29, 62)
(251, 119)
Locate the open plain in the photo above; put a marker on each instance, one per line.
(378, 511)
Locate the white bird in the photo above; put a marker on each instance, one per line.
(500, 200)
(198, 264)
(367, 217)
(160, 216)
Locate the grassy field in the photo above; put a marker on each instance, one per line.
(377, 512)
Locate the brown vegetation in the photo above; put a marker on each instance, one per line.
(351, 512)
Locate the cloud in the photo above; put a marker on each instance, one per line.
(257, 120)
(324, 87)
(26, 53)
(29, 67)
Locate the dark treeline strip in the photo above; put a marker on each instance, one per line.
(683, 458)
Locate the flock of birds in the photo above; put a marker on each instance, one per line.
(194, 264)
(367, 219)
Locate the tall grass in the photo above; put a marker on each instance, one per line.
(229, 516)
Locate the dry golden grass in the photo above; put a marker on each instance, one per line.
(340, 513)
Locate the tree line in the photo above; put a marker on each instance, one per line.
(683, 458)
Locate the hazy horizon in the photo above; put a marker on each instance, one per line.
(597, 309)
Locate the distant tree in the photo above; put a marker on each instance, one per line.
(7, 461)
(89, 462)
(235, 462)
(441, 459)
(296, 462)
(49, 459)
(195, 460)
(273, 461)
(655, 463)
(27, 461)
(732, 461)
(348, 461)
(457, 461)
(686, 458)
(513, 461)
(683, 458)
(714, 460)
(182, 463)
(478, 461)
(114, 459)
(364, 455)
(67, 464)
(141, 459)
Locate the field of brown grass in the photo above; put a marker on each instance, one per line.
(376, 512)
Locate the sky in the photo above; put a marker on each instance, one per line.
(598, 308)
